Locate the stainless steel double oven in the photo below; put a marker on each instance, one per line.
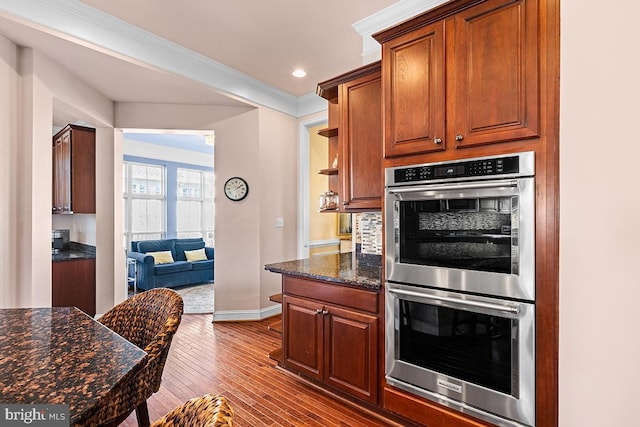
(460, 285)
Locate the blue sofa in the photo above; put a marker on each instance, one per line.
(178, 273)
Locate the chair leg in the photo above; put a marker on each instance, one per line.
(142, 415)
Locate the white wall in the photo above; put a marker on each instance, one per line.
(599, 365)
(279, 197)
(33, 84)
(260, 146)
(38, 88)
(237, 224)
(9, 185)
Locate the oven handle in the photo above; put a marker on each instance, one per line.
(472, 186)
(469, 303)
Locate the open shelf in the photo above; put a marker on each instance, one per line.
(328, 132)
(276, 326)
(329, 171)
(276, 355)
(276, 298)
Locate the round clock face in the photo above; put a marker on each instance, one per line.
(236, 188)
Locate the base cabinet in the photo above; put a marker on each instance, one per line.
(331, 343)
(424, 412)
(350, 346)
(74, 284)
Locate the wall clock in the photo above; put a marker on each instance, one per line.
(236, 189)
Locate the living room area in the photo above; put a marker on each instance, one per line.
(168, 207)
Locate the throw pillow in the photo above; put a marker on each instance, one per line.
(196, 255)
(162, 257)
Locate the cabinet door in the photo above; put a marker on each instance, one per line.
(54, 177)
(64, 175)
(351, 358)
(414, 92)
(302, 332)
(74, 284)
(61, 173)
(361, 140)
(492, 55)
(83, 171)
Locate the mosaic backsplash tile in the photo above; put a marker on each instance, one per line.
(369, 232)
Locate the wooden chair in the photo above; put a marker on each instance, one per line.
(148, 320)
(206, 411)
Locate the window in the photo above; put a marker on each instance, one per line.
(144, 202)
(194, 209)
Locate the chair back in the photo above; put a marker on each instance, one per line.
(206, 411)
(148, 320)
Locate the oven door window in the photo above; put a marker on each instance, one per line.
(465, 345)
(477, 233)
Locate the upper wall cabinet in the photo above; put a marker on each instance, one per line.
(361, 142)
(358, 137)
(74, 170)
(469, 79)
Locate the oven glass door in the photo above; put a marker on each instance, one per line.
(473, 233)
(484, 227)
(473, 350)
(474, 347)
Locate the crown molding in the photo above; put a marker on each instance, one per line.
(387, 17)
(310, 104)
(79, 23)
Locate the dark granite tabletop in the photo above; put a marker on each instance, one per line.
(61, 356)
(336, 268)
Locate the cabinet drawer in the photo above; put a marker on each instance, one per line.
(345, 296)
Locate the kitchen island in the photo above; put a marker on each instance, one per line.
(331, 323)
(335, 268)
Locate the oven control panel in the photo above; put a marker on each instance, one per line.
(461, 169)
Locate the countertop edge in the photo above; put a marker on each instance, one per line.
(341, 272)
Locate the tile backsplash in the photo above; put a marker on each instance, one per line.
(368, 232)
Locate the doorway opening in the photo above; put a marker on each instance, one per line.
(169, 212)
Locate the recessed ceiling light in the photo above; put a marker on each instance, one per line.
(299, 73)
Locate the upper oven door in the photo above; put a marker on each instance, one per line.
(472, 236)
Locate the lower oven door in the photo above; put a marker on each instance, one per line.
(470, 353)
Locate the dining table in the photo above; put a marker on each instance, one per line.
(60, 355)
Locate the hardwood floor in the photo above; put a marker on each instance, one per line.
(231, 359)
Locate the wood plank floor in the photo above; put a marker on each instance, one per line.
(231, 358)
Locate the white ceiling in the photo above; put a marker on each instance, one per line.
(187, 51)
(266, 40)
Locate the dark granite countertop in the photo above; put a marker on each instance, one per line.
(61, 356)
(335, 268)
(75, 251)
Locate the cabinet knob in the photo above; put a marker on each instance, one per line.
(345, 203)
(325, 312)
(318, 311)
(437, 141)
(459, 137)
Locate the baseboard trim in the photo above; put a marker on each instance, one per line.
(246, 315)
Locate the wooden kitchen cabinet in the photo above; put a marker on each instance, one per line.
(74, 284)
(74, 160)
(469, 79)
(332, 341)
(355, 138)
(360, 139)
